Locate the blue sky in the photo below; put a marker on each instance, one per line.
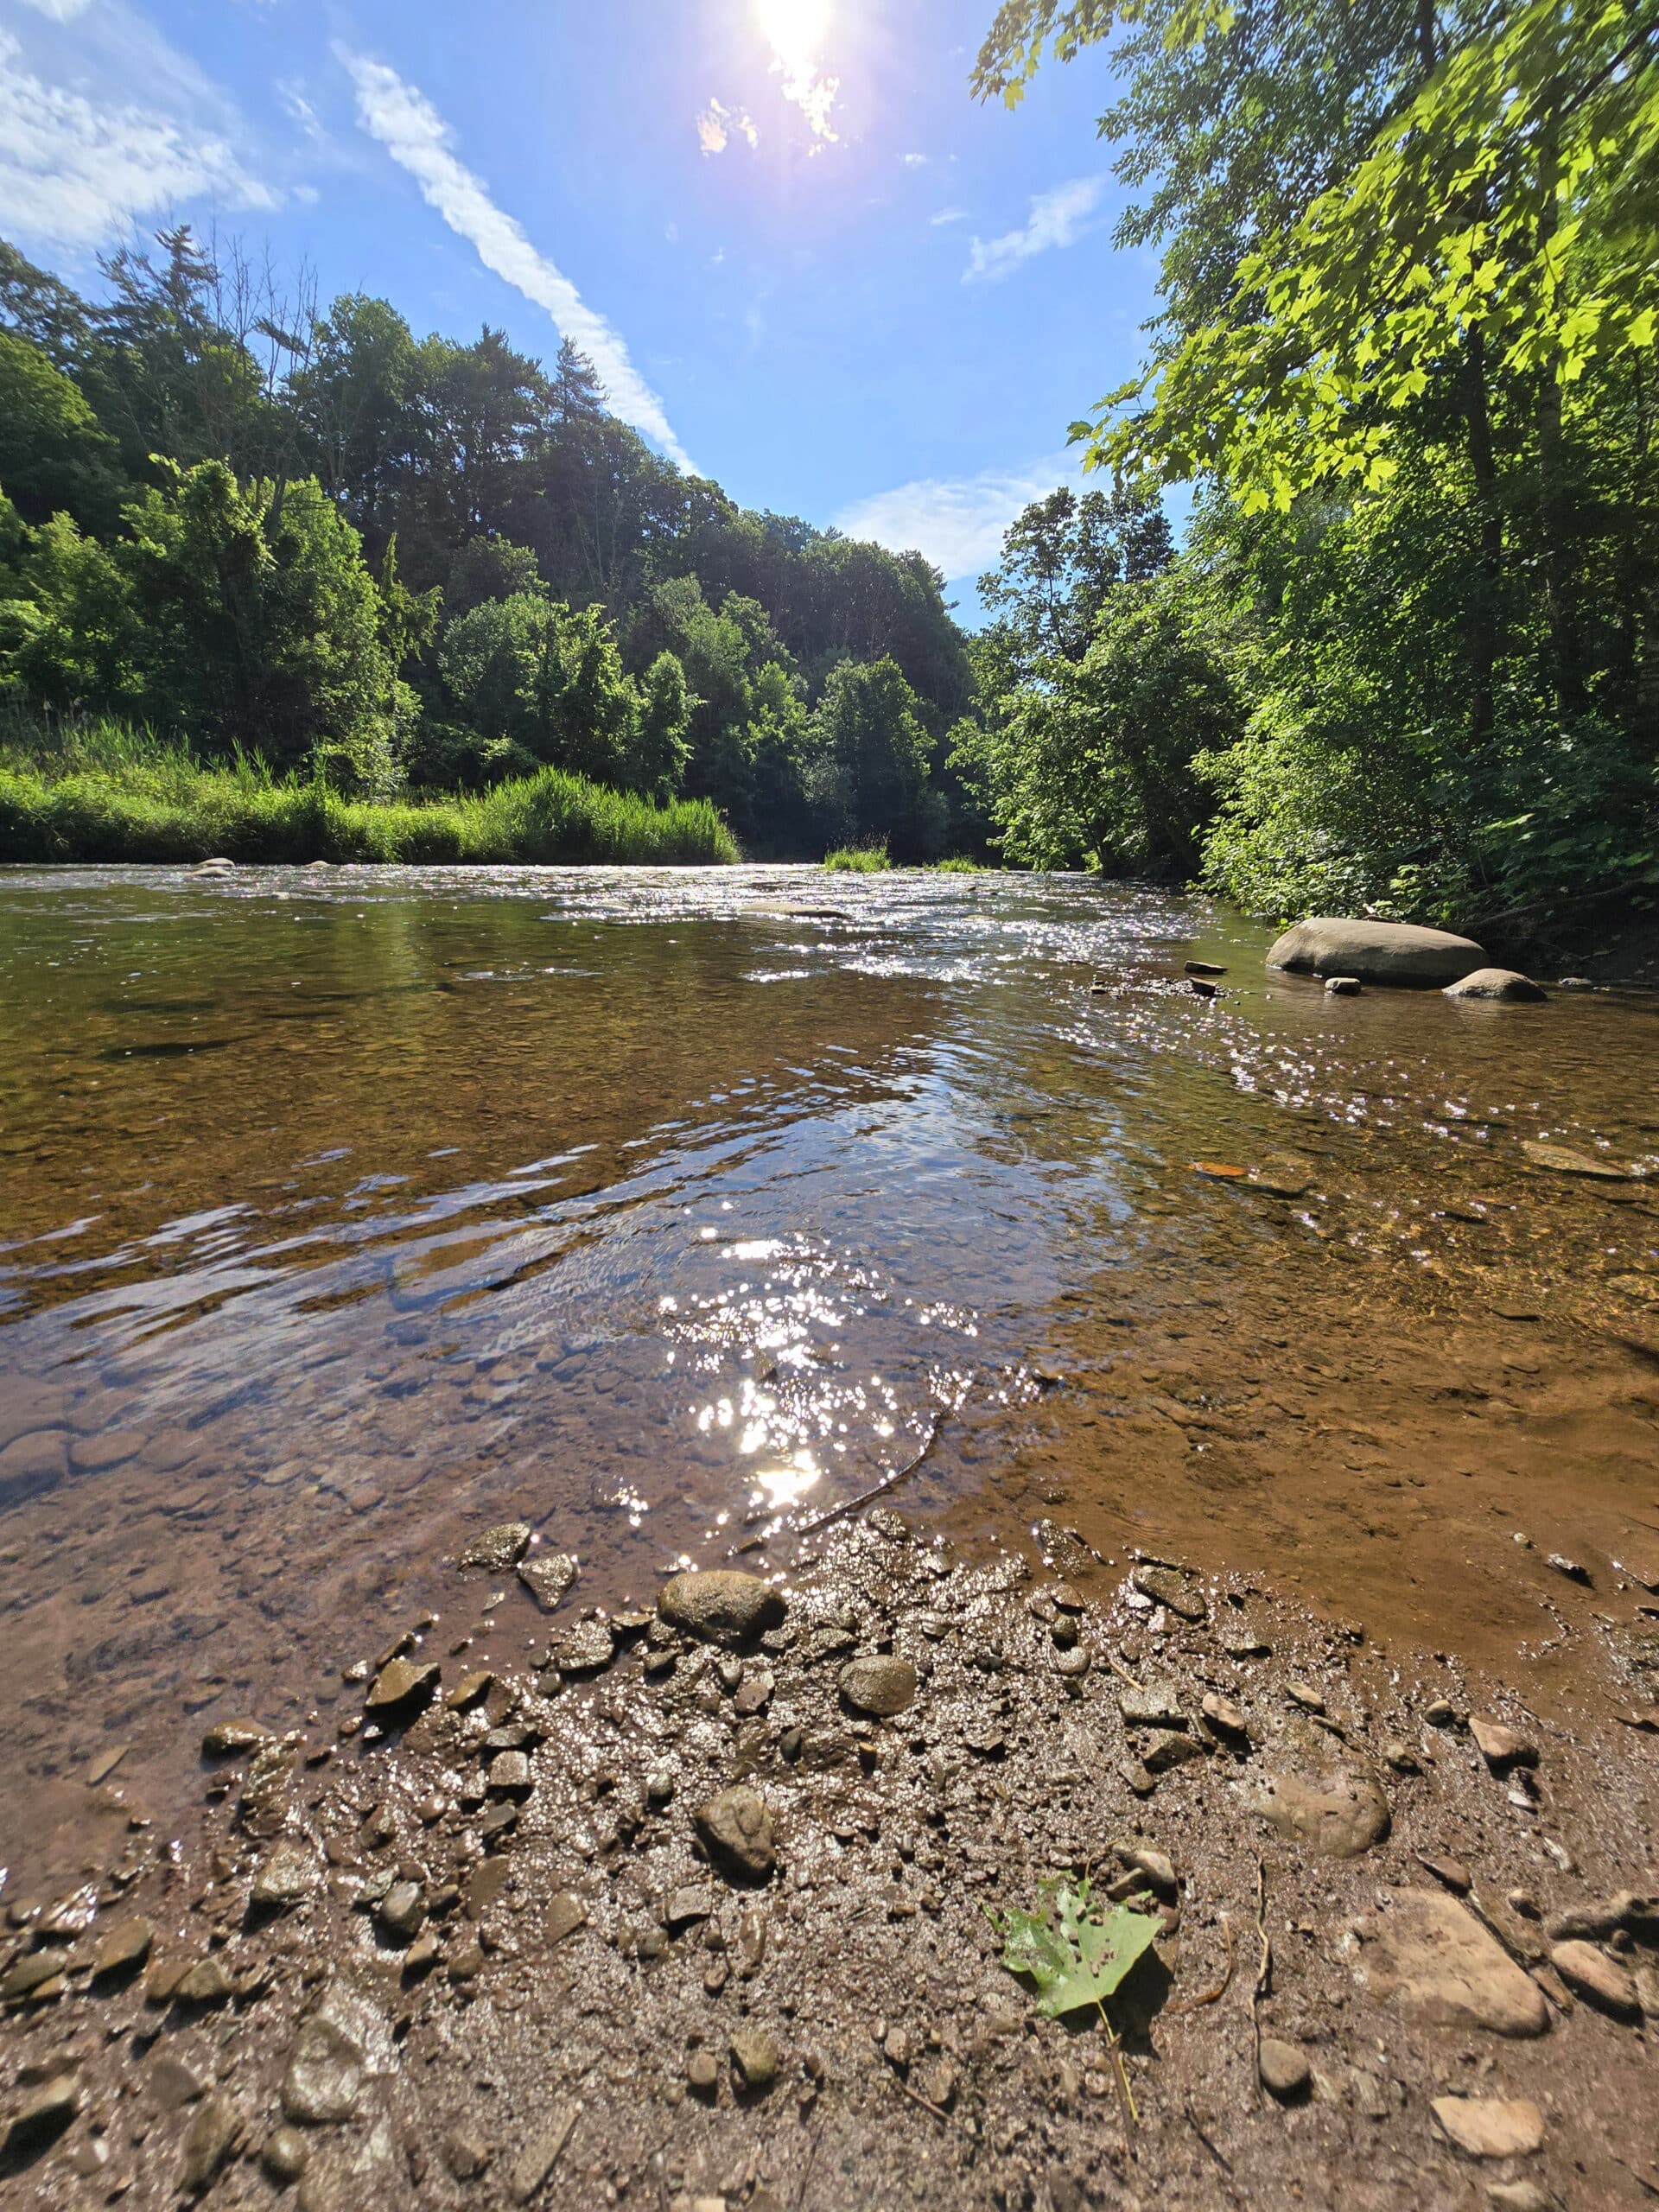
(808, 263)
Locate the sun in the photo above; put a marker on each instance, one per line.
(795, 31)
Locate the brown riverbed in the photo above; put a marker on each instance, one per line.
(346, 1211)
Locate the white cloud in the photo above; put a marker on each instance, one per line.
(60, 11)
(418, 140)
(914, 160)
(718, 124)
(1057, 218)
(957, 521)
(795, 31)
(78, 168)
(948, 215)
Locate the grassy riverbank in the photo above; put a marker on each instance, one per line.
(109, 796)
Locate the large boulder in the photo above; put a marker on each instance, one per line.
(1376, 952)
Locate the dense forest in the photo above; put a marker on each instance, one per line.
(401, 565)
(1405, 659)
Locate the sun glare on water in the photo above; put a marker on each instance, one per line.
(795, 31)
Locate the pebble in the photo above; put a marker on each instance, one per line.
(565, 1914)
(1225, 1719)
(755, 2060)
(1158, 1868)
(1491, 2127)
(124, 1949)
(225, 1738)
(1455, 1875)
(214, 2134)
(494, 1550)
(509, 1775)
(1501, 1747)
(42, 2116)
(1167, 1749)
(685, 1906)
(470, 1692)
(548, 1577)
(702, 2073)
(284, 2155)
(286, 1875)
(540, 2155)
(1285, 2071)
(735, 1829)
(403, 1913)
(324, 2077)
(1520, 2196)
(1309, 1700)
(882, 1686)
(720, 1606)
(1595, 1976)
(401, 1683)
(754, 1694)
(466, 2153)
(1442, 1713)
(1166, 1585)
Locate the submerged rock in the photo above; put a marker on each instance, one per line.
(402, 1685)
(1505, 983)
(492, 1551)
(548, 1577)
(721, 1605)
(1376, 952)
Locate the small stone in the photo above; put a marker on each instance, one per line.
(685, 1906)
(171, 2083)
(1491, 2127)
(720, 1606)
(105, 1764)
(1442, 1713)
(1226, 1719)
(582, 1649)
(1455, 1875)
(401, 1684)
(1309, 1700)
(1158, 1870)
(565, 1914)
(467, 1964)
(324, 2078)
(540, 2155)
(470, 1692)
(1519, 2196)
(754, 2060)
(1071, 1666)
(422, 1956)
(735, 1829)
(509, 1775)
(30, 1972)
(659, 1787)
(1602, 1981)
(1169, 1749)
(466, 2153)
(1245, 1643)
(123, 1950)
(1321, 1794)
(286, 1875)
(284, 2155)
(548, 1577)
(937, 2084)
(208, 1982)
(494, 1550)
(1285, 2071)
(1343, 987)
(754, 1694)
(1167, 1587)
(1569, 1568)
(1400, 1756)
(882, 1686)
(214, 2134)
(403, 1911)
(1501, 1747)
(1154, 1707)
(225, 1738)
(43, 2117)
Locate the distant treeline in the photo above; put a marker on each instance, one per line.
(395, 564)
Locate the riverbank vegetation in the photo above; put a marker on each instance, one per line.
(1408, 658)
(104, 793)
(409, 569)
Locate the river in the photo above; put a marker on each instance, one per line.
(344, 1211)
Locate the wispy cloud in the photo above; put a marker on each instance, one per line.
(717, 125)
(948, 215)
(957, 521)
(1057, 218)
(795, 31)
(60, 11)
(418, 140)
(914, 160)
(77, 167)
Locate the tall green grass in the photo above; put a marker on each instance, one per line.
(857, 860)
(105, 793)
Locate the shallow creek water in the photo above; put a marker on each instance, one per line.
(344, 1212)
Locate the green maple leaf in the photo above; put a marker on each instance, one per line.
(1075, 1955)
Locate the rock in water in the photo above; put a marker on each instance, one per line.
(721, 1606)
(1507, 984)
(1561, 1159)
(1376, 952)
(548, 1576)
(402, 1684)
(880, 1686)
(1491, 2127)
(1321, 1793)
(1444, 1967)
(737, 1831)
(492, 1551)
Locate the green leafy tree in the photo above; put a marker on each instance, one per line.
(868, 767)
(53, 455)
(542, 684)
(659, 747)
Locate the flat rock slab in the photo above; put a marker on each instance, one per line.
(1491, 2127)
(1319, 1793)
(720, 1606)
(1441, 1965)
(402, 1684)
(1376, 952)
(1167, 1585)
(583, 1650)
(1601, 1980)
(1561, 1159)
(548, 1577)
(880, 1686)
(1506, 984)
